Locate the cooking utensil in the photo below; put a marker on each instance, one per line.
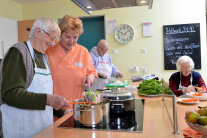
(121, 101)
(81, 103)
(93, 114)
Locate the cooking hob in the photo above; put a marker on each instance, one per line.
(131, 121)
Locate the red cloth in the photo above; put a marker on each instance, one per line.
(190, 133)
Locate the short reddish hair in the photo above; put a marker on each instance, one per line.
(71, 23)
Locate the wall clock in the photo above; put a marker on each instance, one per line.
(124, 34)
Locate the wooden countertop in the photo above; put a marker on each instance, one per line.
(156, 123)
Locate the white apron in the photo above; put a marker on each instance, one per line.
(23, 123)
(103, 67)
(183, 87)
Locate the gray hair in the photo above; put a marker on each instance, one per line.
(184, 59)
(103, 42)
(45, 24)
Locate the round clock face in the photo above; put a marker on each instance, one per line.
(124, 33)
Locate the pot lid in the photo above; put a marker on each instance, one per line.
(119, 95)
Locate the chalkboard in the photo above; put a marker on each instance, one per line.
(179, 40)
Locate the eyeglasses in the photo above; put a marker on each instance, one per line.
(103, 49)
(53, 38)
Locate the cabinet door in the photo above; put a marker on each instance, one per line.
(24, 29)
(8, 34)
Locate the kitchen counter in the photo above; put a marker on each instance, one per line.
(156, 123)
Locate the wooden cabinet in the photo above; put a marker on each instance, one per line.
(8, 34)
(24, 29)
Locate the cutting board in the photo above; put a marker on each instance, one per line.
(111, 84)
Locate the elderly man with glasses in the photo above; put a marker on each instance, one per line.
(103, 64)
(26, 83)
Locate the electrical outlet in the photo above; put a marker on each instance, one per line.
(115, 51)
(133, 69)
(144, 69)
(143, 50)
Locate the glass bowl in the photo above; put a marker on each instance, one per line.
(200, 128)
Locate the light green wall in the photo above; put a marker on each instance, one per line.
(54, 9)
(10, 9)
(163, 12)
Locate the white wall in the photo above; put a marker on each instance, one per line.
(8, 34)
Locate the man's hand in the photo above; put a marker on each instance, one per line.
(102, 75)
(119, 75)
(56, 101)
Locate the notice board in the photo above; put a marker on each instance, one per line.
(179, 40)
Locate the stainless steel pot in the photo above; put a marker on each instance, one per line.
(91, 114)
(121, 101)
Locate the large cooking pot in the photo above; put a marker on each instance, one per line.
(121, 101)
(91, 114)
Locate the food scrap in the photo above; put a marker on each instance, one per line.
(197, 94)
(190, 100)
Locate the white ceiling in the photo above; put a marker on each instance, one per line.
(30, 1)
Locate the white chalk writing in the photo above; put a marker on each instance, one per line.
(180, 30)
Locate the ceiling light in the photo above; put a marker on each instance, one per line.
(88, 7)
(142, 1)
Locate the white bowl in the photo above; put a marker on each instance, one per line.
(201, 98)
(131, 88)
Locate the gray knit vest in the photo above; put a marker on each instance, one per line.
(27, 61)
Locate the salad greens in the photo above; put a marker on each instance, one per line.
(92, 96)
(152, 87)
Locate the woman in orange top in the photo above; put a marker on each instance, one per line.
(70, 63)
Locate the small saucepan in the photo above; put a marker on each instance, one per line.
(91, 114)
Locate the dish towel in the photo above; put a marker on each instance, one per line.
(190, 133)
